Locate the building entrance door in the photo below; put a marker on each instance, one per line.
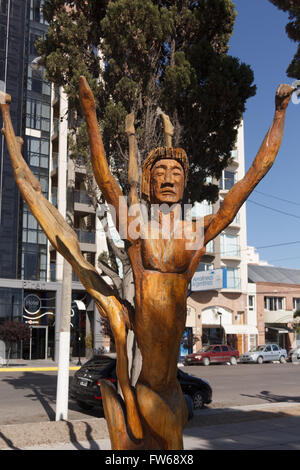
(38, 342)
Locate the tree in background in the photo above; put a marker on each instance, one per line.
(142, 56)
(145, 56)
(293, 31)
(12, 332)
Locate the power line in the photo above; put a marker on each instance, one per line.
(273, 209)
(276, 197)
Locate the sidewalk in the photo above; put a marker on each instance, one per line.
(269, 426)
(273, 426)
(23, 365)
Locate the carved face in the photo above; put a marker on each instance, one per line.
(167, 182)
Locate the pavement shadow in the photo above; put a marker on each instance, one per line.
(92, 443)
(45, 393)
(270, 397)
(228, 429)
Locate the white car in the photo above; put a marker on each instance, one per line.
(265, 353)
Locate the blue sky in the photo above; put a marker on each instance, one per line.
(260, 40)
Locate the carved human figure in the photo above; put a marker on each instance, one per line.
(155, 412)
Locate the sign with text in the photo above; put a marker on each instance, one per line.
(209, 280)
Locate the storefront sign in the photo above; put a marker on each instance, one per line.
(32, 304)
(209, 280)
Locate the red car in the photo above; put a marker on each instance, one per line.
(213, 353)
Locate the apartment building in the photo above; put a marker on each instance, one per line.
(30, 270)
(220, 312)
(277, 297)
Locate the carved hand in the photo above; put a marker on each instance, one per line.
(283, 95)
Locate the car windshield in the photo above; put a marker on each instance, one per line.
(257, 348)
(101, 362)
(205, 349)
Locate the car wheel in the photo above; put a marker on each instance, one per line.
(260, 360)
(282, 360)
(295, 357)
(206, 361)
(189, 404)
(84, 405)
(233, 361)
(198, 401)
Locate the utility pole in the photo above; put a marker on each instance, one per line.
(62, 390)
(64, 274)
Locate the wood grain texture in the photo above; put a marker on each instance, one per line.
(153, 414)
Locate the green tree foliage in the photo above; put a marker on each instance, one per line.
(293, 31)
(141, 55)
(13, 332)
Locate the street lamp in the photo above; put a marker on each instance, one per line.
(221, 333)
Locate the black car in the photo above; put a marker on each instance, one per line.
(85, 387)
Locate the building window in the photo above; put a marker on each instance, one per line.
(233, 278)
(34, 261)
(3, 7)
(205, 267)
(36, 11)
(251, 302)
(274, 303)
(296, 303)
(227, 180)
(229, 245)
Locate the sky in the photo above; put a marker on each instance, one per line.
(260, 40)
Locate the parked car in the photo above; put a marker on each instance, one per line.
(85, 386)
(212, 354)
(265, 353)
(294, 355)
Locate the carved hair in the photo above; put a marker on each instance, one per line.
(162, 153)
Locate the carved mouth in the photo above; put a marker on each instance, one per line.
(168, 191)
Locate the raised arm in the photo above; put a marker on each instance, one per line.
(60, 234)
(65, 241)
(105, 180)
(259, 168)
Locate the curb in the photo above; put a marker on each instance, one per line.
(51, 433)
(18, 436)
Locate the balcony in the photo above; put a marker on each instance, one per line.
(236, 222)
(86, 236)
(55, 96)
(54, 162)
(54, 196)
(231, 252)
(80, 165)
(234, 157)
(87, 240)
(55, 128)
(82, 202)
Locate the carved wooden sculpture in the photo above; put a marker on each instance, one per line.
(153, 414)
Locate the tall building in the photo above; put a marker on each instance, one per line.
(30, 270)
(218, 312)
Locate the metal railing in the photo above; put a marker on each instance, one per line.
(82, 197)
(86, 236)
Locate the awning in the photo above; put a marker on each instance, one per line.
(279, 330)
(240, 329)
(79, 304)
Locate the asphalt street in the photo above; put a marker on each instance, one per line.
(28, 395)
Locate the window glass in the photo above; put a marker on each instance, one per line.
(217, 349)
(45, 147)
(268, 348)
(225, 348)
(251, 302)
(205, 267)
(233, 279)
(2, 37)
(275, 347)
(32, 223)
(229, 245)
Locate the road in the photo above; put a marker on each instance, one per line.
(29, 397)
